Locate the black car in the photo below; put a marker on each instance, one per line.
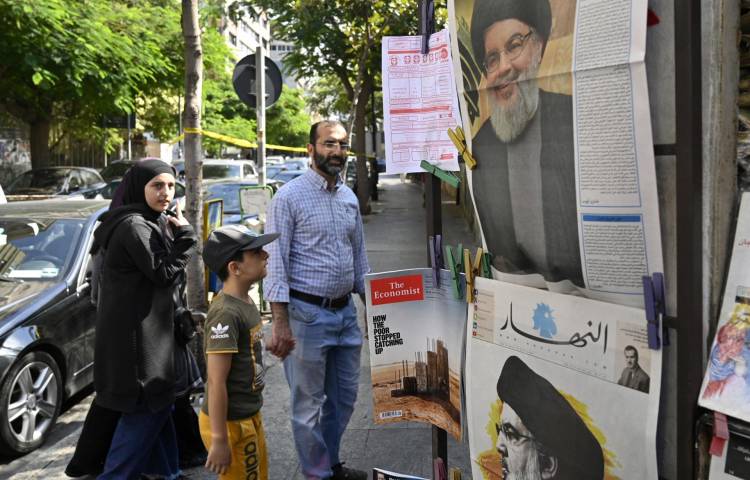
(55, 181)
(46, 314)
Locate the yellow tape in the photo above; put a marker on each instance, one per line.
(241, 143)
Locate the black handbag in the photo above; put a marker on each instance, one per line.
(184, 325)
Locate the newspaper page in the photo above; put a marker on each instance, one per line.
(560, 386)
(555, 107)
(420, 104)
(379, 474)
(416, 348)
(734, 462)
(726, 384)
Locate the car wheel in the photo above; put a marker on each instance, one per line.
(30, 400)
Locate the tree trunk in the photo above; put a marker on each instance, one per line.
(360, 119)
(191, 116)
(39, 142)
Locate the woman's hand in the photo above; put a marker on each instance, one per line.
(179, 220)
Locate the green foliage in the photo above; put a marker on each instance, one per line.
(287, 122)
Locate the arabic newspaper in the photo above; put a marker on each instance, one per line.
(420, 104)
(416, 348)
(574, 374)
(379, 474)
(565, 183)
(734, 462)
(726, 384)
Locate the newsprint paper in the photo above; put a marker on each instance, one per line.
(555, 108)
(559, 384)
(726, 384)
(734, 462)
(416, 335)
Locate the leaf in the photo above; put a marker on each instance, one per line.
(37, 78)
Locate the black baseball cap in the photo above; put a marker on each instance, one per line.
(225, 241)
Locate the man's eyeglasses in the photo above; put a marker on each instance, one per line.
(512, 436)
(513, 49)
(331, 145)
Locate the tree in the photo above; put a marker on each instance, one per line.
(342, 38)
(193, 152)
(93, 58)
(287, 122)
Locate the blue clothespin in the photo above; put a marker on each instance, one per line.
(427, 23)
(455, 270)
(653, 299)
(436, 257)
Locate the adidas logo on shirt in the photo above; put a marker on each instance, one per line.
(219, 331)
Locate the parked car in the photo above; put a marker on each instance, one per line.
(222, 169)
(273, 170)
(275, 160)
(229, 192)
(286, 175)
(46, 316)
(297, 164)
(55, 181)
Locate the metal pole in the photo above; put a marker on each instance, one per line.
(130, 153)
(260, 110)
(689, 135)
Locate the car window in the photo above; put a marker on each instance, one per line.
(114, 170)
(89, 178)
(45, 181)
(179, 190)
(248, 170)
(39, 249)
(229, 193)
(221, 171)
(75, 182)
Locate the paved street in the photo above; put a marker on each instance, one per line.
(395, 240)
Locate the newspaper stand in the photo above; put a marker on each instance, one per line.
(687, 149)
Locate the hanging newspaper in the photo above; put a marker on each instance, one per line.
(420, 104)
(416, 347)
(378, 474)
(734, 462)
(726, 385)
(559, 386)
(555, 107)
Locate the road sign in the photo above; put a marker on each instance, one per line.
(243, 80)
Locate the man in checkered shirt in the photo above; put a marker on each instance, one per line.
(318, 262)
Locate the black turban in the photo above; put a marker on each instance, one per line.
(534, 13)
(552, 421)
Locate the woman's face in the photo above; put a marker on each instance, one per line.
(160, 192)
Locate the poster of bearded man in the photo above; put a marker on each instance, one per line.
(554, 103)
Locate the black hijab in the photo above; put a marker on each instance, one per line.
(130, 198)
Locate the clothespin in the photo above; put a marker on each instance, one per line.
(447, 177)
(721, 435)
(651, 316)
(661, 304)
(436, 257)
(455, 270)
(426, 24)
(469, 273)
(438, 469)
(459, 140)
(652, 18)
(454, 473)
(487, 265)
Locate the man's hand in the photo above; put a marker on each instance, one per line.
(219, 456)
(282, 341)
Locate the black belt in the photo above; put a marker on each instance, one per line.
(331, 303)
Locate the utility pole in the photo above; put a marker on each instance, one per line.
(260, 109)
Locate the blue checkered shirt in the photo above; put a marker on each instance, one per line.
(321, 250)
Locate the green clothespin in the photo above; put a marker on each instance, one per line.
(455, 270)
(447, 177)
(486, 263)
(460, 257)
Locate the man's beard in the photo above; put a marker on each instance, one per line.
(511, 120)
(530, 472)
(324, 164)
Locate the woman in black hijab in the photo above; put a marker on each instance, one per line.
(134, 374)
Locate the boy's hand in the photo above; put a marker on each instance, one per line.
(219, 457)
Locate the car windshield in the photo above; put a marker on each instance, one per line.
(114, 170)
(229, 193)
(221, 171)
(45, 181)
(273, 170)
(38, 249)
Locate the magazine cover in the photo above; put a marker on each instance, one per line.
(726, 384)
(559, 386)
(416, 346)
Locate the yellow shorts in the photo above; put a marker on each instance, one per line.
(248, 444)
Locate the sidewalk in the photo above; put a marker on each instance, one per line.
(396, 239)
